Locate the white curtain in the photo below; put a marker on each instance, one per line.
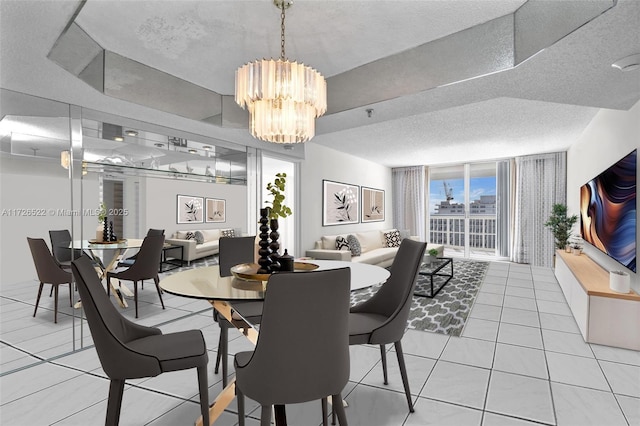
(409, 195)
(541, 182)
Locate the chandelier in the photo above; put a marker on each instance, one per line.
(283, 97)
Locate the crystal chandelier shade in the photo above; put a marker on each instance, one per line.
(283, 98)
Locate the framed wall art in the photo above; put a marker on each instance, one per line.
(190, 209)
(216, 210)
(340, 203)
(372, 205)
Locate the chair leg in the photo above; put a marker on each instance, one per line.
(38, 298)
(383, 355)
(403, 373)
(70, 291)
(157, 281)
(135, 296)
(116, 389)
(55, 303)
(224, 350)
(51, 292)
(324, 412)
(203, 385)
(338, 408)
(240, 398)
(280, 415)
(265, 415)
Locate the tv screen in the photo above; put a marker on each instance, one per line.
(608, 213)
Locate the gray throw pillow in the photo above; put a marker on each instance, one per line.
(199, 237)
(354, 245)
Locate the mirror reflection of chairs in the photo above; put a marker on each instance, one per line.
(145, 267)
(233, 251)
(131, 259)
(129, 351)
(49, 272)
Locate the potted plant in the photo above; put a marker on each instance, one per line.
(433, 255)
(561, 225)
(276, 210)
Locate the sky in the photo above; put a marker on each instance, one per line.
(478, 186)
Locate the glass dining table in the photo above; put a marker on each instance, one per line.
(206, 283)
(106, 263)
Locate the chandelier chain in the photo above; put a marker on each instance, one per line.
(282, 56)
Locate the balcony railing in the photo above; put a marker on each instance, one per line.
(449, 230)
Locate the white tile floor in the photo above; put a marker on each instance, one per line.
(520, 361)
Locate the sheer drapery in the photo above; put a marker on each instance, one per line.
(540, 183)
(409, 195)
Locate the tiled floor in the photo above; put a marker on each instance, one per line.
(520, 361)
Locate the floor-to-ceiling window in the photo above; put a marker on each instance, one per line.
(463, 209)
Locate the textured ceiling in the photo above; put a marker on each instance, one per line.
(541, 105)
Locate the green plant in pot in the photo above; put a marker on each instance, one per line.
(277, 210)
(433, 255)
(561, 225)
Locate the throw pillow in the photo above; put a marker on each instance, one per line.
(228, 233)
(392, 238)
(354, 245)
(199, 237)
(190, 236)
(341, 243)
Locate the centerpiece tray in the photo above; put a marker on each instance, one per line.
(249, 271)
(104, 243)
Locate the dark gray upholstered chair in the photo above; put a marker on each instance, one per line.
(302, 353)
(233, 251)
(382, 319)
(144, 268)
(130, 351)
(63, 255)
(49, 272)
(129, 260)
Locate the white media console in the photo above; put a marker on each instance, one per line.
(603, 316)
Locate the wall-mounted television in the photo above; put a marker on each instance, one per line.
(608, 212)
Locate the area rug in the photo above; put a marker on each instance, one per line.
(447, 312)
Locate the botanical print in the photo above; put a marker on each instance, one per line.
(190, 209)
(216, 210)
(372, 205)
(340, 203)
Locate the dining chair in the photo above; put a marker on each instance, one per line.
(59, 239)
(382, 319)
(233, 251)
(49, 272)
(302, 352)
(129, 351)
(129, 260)
(144, 268)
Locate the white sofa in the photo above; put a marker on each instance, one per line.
(191, 249)
(373, 246)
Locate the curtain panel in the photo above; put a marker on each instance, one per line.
(541, 182)
(409, 200)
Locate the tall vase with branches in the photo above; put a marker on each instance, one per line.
(277, 210)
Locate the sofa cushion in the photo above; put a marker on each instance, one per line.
(369, 240)
(392, 238)
(211, 235)
(342, 243)
(329, 242)
(354, 245)
(208, 247)
(377, 256)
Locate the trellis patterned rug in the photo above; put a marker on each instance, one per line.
(446, 313)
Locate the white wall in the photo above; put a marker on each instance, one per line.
(610, 136)
(42, 185)
(326, 163)
(159, 197)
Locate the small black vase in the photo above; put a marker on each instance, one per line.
(264, 261)
(105, 230)
(274, 246)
